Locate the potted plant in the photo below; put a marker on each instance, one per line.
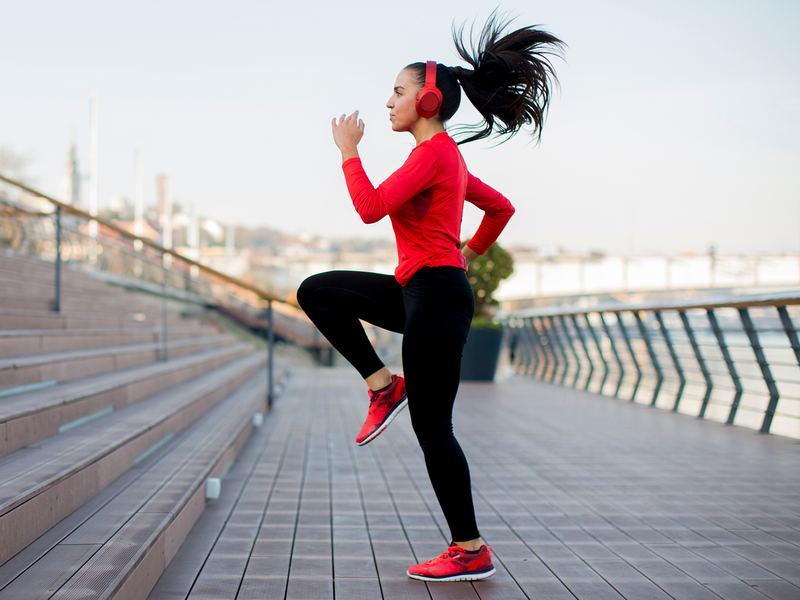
(482, 350)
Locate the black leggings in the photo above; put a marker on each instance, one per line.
(433, 312)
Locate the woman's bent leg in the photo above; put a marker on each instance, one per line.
(438, 315)
(336, 302)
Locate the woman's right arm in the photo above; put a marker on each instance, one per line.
(346, 135)
(372, 204)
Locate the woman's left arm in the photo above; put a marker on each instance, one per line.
(497, 212)
(469, 254)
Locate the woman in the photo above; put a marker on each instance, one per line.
(429, 299)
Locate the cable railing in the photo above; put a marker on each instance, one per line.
(733, 359)
(72, 238)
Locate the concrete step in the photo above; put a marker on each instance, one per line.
(46, 289)
(71, 279)
(37, 319)
(16, 342)
(41, 485)
(30, 417)
(60, 367)
(35, 266)
(87, 302)
(93, 545)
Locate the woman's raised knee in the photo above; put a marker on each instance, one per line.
(306, 289)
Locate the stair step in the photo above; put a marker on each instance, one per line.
(41, 485)
(74, 291)
(75, 364)
(18, 300)
(30, 417)
(70, 279)
(38, 319)
(15, 342)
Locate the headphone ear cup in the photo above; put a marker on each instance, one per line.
(429, 101)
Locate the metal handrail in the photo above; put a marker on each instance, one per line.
(148, 242)
(771, 299)
(167, 255)
(690, 353)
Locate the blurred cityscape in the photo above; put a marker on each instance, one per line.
(278, 261)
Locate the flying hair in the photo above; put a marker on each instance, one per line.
(511, 79)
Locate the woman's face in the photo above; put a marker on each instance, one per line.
(402, 105)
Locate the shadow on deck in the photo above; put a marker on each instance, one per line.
(580, 496)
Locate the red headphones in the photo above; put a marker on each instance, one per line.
(429, 99)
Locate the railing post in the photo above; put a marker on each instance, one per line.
(750, 330)
(270, 353)
(791, 332)
(520, 349)
(558, 349)
(57, 303)
(593, 333)
(543, 344)
(572, 347)
(653, 357)
(164, 306)
(627, 339)
(550, 357)
(585, 351)
(533, 368)
(723, 347)
(700, 362)
(562, 341)
(675, 360)
(616, 354)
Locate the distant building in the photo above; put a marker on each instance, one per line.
(162, 184)
(70, 192)
(130, 226)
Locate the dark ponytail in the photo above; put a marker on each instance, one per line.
(510, 81)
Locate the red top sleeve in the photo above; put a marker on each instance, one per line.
(371, 204)
(497, 212)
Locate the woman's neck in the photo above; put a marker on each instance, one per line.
(425, 129)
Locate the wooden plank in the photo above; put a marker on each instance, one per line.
(580, 496)
(45, 578)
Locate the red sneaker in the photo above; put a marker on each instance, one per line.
(383, 407)
(456, 564)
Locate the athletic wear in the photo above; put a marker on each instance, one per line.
(433, 312)
(429, 300)
(455, 564)
(425, 200)
(384, 406)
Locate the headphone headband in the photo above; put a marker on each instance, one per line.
(429, 99)
(430, 73)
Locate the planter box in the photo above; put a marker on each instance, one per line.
(481, 353)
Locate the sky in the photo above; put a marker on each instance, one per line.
(675, 127)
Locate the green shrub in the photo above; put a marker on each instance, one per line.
(485, 274)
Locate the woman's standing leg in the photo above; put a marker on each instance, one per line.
(439, 307)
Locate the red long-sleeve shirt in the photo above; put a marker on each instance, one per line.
(425, 201)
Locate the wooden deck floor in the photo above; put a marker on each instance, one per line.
(580, 496)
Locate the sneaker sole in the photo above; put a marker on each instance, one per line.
(459, 577)
(385, 423)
